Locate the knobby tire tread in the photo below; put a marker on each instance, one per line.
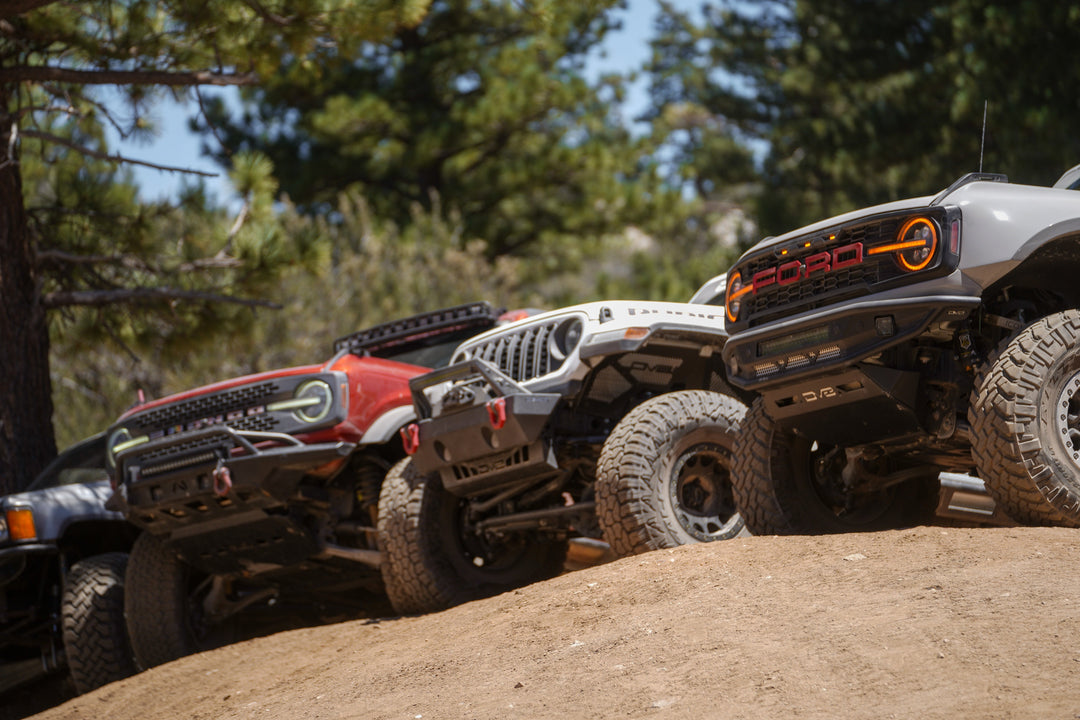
(92, 616)
(629, 486)
(1006, 443)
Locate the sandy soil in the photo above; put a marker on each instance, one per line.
(931, 622)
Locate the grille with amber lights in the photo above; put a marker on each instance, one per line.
(817, 269)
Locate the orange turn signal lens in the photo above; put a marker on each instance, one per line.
(21, 524)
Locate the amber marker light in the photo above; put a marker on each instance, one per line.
(21, 524)
(915, 245)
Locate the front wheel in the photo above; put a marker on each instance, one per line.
(165, 617)
(431, 557)
(663, 478)
(1025, 420)
(786, 484)
(92, 616)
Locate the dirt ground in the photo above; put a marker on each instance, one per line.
(932, 622)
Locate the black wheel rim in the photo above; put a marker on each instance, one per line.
(1067, 418)
(473, 555)
(850, 509)
(701, 494)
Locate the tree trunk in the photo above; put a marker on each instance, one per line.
(26, 433)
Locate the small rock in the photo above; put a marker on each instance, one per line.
(519, 685)
(855, 557)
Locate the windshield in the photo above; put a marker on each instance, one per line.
(81, 463)
(431, 356)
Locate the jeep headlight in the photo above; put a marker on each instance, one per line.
(566, 337)
(313, 401)
(3, 529)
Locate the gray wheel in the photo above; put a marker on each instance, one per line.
(92, 616)
(1025, 420)
(786, 484)
(431, 558)
(162, 605)
(663, 478)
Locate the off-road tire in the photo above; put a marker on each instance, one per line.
(663, 478)
(156, 604)
(92, 616)
(425, 565)
(1030, 468)
(774, 489)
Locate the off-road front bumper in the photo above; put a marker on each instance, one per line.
(810, 374)
(485, 440)
(218, 495)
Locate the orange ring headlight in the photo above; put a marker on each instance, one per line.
(915, 244)
(735, 290)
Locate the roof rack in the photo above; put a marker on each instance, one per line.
(419, 328)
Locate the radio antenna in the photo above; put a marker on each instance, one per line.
(982, 143)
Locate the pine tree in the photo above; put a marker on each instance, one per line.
(70, 238)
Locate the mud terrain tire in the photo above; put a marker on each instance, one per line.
(92, 615)
(1025, 420)
(159, 621)
(429, 564)
(779, 493)
(663, 478)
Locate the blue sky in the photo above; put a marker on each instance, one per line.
(623, 51)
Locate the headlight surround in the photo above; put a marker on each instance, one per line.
(318, 400)
(915, 246)
(566, 338)
(120, 440)
(733, 296)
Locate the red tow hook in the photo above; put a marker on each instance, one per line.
(410, 438)
(222, 479)
(497, 412)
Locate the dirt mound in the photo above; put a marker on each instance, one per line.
(931, 623)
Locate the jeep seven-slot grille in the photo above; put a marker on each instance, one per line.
(521, 354)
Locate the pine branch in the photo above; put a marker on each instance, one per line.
(44, 73)
(130, 296)
(48, 137)
(11, 8)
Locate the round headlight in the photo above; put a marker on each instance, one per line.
(566, 337)
(117, 441)
(916, 243)
(733, 297)
(315, 400)
(3, 528)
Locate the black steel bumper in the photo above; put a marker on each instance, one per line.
(487, 441)
(809, 373)
(218, 497)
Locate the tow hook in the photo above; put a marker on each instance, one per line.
(222, 479)
(410, 438)
(497, 412)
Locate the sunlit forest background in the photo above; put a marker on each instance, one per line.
(396, 157)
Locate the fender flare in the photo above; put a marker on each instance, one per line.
(386, 427)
